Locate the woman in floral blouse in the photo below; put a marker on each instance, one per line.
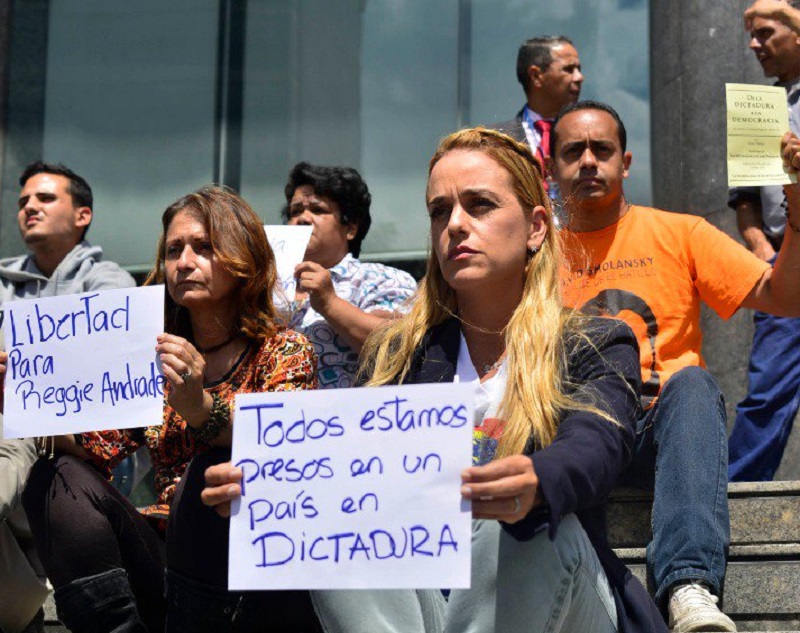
(106, 559)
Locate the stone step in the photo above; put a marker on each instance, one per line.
(761, 513)
(742, 553)
(763, 576)
(771, 586)
(758, 597)
(762, 591)
(745, 621)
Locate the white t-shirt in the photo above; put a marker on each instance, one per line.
(488, 396)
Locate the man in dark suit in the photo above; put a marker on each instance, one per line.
(549, 69)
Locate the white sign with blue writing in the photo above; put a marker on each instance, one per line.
(289, 245)
(352, 489)
(84, 362)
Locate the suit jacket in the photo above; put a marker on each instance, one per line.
(582, 465)
(513, 128)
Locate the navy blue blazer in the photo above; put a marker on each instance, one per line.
(582, 465)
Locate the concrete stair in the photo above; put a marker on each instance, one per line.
(762, 588)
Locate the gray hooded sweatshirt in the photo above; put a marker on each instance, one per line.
(82, 270)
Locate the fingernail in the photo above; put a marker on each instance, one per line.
(466, 491)
(232, 491)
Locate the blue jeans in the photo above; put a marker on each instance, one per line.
(535, 586)
(681, 455)
(764, 418)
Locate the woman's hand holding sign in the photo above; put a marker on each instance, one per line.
(185, 368)
(222, 486)
(505, 490)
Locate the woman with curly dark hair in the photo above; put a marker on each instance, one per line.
(104, 557)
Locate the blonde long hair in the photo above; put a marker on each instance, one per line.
(537, 332)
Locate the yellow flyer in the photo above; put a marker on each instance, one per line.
(757, 119)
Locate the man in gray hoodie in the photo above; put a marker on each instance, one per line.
(55, 211)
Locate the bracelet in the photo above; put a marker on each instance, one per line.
(218, 421)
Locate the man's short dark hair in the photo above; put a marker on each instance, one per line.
(537, 51)
(78, 189)
(589, 105)
(344, 186)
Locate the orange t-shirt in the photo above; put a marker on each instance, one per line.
(651, 269)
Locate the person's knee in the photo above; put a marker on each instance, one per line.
(571, 543)
(564, 553)
(691, 402)
(694, 379)
(43, 475)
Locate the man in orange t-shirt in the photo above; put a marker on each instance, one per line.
(652, 269)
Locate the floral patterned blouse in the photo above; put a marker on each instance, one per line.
(285, 362)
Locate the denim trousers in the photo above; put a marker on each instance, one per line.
(535, 586)
(764, 418)
(681, 455)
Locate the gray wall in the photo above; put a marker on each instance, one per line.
(302, 90)
(24, 61)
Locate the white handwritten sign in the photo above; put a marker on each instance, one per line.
(83, 362)
(352, 489)
(289, 244)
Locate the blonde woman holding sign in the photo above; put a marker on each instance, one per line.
(105, 558)
(558, 399)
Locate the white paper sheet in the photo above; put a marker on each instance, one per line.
(289, 244)
(352, 488)
(83, 362)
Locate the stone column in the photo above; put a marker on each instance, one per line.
(696, 47)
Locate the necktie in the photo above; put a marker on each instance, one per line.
(543, 126)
